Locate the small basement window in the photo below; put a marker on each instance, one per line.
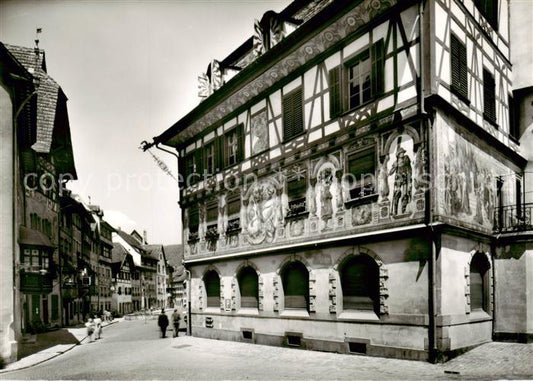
(294, 340)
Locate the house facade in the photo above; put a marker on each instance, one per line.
(346, 178)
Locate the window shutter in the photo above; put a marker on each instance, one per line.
(378, 68)
(489, 101)
(335, 101)
(459, 67)
(219, 154)
(298, 111)
(293, 114)
(199, 161)
(240, 142)
(287, 118)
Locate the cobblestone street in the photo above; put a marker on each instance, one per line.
(133, 350)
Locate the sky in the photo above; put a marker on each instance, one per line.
(129, 70)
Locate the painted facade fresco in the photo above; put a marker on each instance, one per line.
(466, 179)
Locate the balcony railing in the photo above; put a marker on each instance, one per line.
(513, 218)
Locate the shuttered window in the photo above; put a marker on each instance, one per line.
(362, 170)
(295, 279)
(335, 96)
(212, 287)
(489, 96)
(292, 114)
(248, 285)
(360, 284)
(358, 81)
(459, 83)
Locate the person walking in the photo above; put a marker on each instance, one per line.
(98, 327)
(162, 322)
(176, 322)
(90, 329)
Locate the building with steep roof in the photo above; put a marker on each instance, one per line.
(145, 263)
(41, 162)
(176, 276)
(161, 277)
(353, 182)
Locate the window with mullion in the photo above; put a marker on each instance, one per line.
(209, 158)
(359, 81)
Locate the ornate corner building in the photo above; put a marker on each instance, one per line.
(353, 181)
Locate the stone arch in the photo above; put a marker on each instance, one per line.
(312, 281)
(407, 130)
(235, 284)
(482, 251)
(203, 289)
(323, 160)
(334, 278)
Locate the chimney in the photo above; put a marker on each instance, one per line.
(145, 241)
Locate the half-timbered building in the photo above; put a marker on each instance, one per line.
(343, 174)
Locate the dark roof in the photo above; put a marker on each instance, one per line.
(118, 252)
(131, 241)
(174, 255)
(29, 236)
(51, 102)
(154, 251)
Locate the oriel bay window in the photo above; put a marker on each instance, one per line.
(361, 176)
(248, 286)
(212, 288)
(35, 259)
(295, 280)
(358, 81)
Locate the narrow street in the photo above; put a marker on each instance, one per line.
(133, 350)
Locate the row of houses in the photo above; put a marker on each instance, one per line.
(357, 178)
(59, 259)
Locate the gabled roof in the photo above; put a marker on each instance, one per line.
(154, 251)
(118, 252)
(51, 108)
(131, 241)
(174, 255)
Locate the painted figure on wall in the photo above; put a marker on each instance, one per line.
(259, 132)
(419, 181)
(383, 178)
(468, 184)
(402, 181)
(326, 210)
(262, 213)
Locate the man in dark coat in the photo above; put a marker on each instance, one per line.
(162, 322)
